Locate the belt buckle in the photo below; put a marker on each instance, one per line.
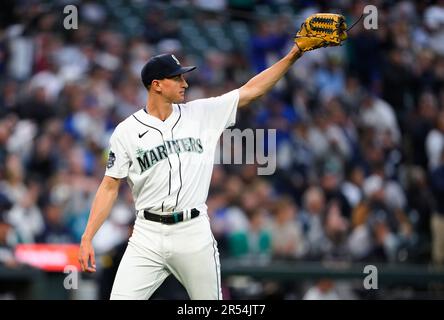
(165, 218)
(176, 217)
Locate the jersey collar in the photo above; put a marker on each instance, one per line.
(156, 122)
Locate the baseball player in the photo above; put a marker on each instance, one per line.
(166, 151)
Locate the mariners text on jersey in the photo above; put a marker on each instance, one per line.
(149, 158)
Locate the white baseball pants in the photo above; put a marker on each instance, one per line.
(186, 249)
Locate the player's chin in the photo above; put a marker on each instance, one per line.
(180, 98)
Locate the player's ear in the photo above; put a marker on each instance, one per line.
(155, 84)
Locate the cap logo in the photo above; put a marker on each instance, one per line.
(175, 59)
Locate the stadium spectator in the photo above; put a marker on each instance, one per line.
(254, 242)
(286, 231)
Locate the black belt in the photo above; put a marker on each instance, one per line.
(170, 219)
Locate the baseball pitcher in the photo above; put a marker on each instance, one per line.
(166, 151)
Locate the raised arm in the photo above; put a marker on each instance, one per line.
(319, 30)
(101, 207)
(264, 81)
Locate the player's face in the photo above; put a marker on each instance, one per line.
(174, 88)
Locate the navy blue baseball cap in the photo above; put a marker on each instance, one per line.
(161, 67)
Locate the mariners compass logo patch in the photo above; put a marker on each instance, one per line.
(111, 159)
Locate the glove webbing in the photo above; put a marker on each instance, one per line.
(356, 22)
(323, 20)
(321, 29)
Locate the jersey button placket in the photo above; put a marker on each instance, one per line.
(174, 179)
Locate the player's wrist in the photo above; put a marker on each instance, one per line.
(295, 53)
(86, 238)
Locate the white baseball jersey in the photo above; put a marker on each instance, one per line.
(168, 164)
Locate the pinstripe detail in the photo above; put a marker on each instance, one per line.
(217, 269)
(178, 157)
(215, 262)
(161, 134)
(168, 158)
(180, 177)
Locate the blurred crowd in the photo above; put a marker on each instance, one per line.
(360, 128)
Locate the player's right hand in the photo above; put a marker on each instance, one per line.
(86, 255)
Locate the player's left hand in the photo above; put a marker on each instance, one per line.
(321, 30)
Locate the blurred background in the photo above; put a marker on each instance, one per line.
(360, 144)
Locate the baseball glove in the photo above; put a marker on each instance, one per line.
(321, 30)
